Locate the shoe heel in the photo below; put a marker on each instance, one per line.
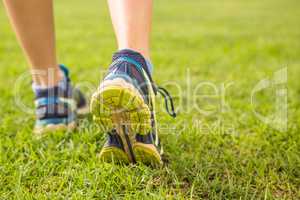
(119, 97)
(113, 155)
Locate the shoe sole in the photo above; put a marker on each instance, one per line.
(118, 105)
(113, 155)
(42, 130)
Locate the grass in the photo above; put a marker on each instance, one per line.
(225, 154)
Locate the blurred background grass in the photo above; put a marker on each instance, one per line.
(221, 42)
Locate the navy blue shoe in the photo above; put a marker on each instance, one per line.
(57, 107)
(125, 102)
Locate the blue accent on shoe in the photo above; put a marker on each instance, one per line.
(44, 122)
(64, 69)
(46, 101)
(135, 56)
(129, 60)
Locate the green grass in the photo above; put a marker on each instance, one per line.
(218, 42)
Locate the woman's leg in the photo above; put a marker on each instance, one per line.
(33, 23)
(34, 26)
(125, 98)
(132, 24)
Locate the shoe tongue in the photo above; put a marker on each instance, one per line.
(133, 55)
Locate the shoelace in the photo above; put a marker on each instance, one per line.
(167, 97)
(156, 89)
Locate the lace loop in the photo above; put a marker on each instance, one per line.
(167, 97)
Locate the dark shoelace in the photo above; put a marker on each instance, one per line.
(167, 97)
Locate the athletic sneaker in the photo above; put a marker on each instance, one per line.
(57, 107)
(124, 107)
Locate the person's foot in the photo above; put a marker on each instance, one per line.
(124, 107)
(113, 150)
(57, 107)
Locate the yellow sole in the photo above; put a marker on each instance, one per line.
(113, 155)
(119, 97)
(147, 154)
(118, 105)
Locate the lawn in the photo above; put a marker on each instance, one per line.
(210, 55)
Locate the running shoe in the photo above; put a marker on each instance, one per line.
(57, 107)
(124, 106)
